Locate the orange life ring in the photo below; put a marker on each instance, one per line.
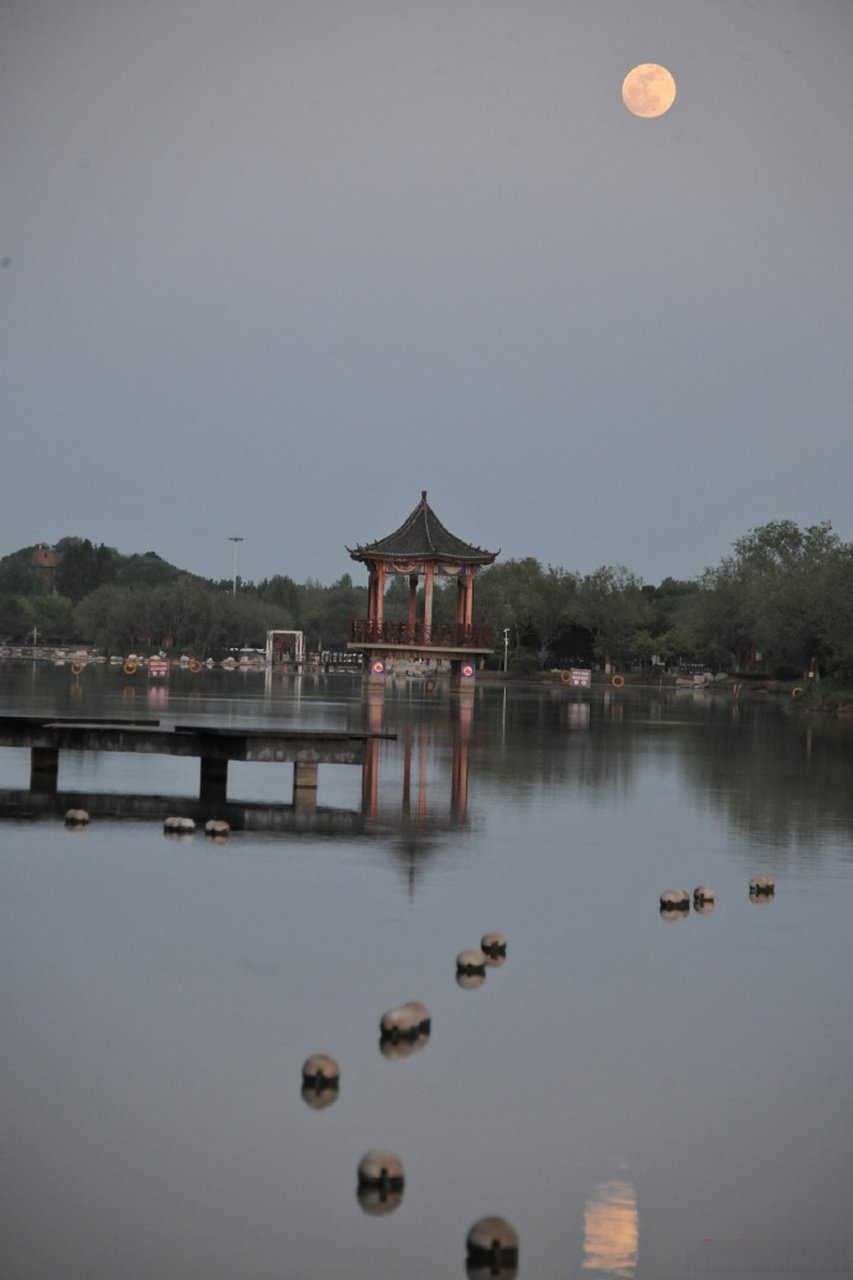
(129, 668)
(194, 665)
(77, 668)
(797, 691)
(618, 682)
(565, 676)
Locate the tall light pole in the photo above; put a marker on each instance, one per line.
(506, 648)
(235, 540)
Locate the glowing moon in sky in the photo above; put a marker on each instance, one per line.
(648, 90)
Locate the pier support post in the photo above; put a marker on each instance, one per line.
(44, 768)
(213, 784)
(305, 784)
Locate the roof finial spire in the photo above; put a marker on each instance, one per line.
(423, 495)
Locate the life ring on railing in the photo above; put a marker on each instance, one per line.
(129, 668)
(796, 692)
(77, 668)
(565, 676)
(194, 666)
(618, 682)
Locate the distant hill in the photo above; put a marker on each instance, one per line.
(74, 567)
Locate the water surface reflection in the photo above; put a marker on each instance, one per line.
(161, 999)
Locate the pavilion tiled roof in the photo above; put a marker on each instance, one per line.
(423, 537)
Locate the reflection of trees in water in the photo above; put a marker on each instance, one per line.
(555, 741)
(783, 779)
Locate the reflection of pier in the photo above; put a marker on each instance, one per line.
(413, 815)
(240, 815)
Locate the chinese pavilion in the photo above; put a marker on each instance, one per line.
(421, 548)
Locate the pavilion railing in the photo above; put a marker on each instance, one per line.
(364, 631)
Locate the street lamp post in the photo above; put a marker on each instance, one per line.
(235, 540)
(506, 648)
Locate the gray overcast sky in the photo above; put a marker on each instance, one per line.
(279, 265)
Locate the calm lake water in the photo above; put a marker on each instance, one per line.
(637, 1097)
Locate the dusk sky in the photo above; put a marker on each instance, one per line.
(272, 267)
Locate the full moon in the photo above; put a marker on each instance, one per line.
(648, 90)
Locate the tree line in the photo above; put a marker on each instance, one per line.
(780, 603)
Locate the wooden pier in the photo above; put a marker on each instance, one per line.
(306, 750)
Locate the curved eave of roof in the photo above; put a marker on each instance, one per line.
(423, 537)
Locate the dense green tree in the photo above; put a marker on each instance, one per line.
(82, 567)
(146, 570)
(611, 605)
(16, 573)
(16, 619)
(54, 618)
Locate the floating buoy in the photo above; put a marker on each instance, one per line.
(472, 961)
(493, 945)
(321, 1070)
(492, 1243)
(179, 826)
(675, 900)
(380, 1168)
(703, 899)
(422, 1013)
(321, 1078)
(470, 981)
(762, 886)
(217, 828)
(380, 1182)
(402, 1023)
(76, 818)
(397, 1049)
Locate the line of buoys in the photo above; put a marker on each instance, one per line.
(380, 1182)
(129, 667)
(77, 668)
(194, 666)
(76, 818)
(762, 887)
(180, 827)
(217, 829)
(618, 682)
(492, 1248)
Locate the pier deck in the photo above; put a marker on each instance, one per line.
(47, 737)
